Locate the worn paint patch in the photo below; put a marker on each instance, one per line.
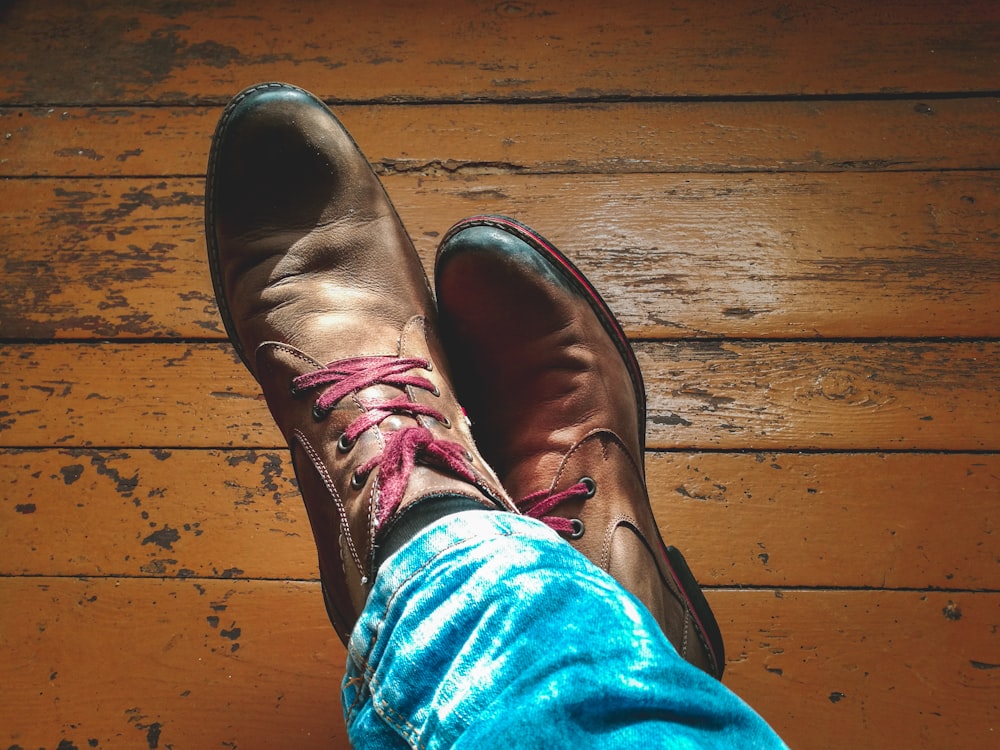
(137, 53)
(71, 473)
(124, 486)
(983, 665)
(952, 611)
(232, 633)
(153, 729)
(165, 538)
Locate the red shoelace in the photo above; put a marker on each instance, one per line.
(405, 448)
(538, 504)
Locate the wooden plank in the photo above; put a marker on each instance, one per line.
(106, 259)
(835, 669)
(741, 519)
(898, 396)
(103, 141)
(205, 514)
(722, 395)
(206, 663)
(179, 664)
(135, 396)
(777, 255)
(538, 138)
(184, 52)
(841, 520)
(843, 255)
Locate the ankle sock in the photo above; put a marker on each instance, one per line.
(419, 517)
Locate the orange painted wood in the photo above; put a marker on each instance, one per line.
(253, 663)
(741, 519)
(763, 256)
(538, 138)
(823, 395)
(136, 396)
(119, 663)
(793, 209)
(839, 520)
(106, 259)
(434, 51)
(876, 669)
(185, 514)
(784, 255)
(724, 395)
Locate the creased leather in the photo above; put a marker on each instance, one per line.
(311, 265)
(552, 401)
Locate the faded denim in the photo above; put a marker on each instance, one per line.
(489, 631)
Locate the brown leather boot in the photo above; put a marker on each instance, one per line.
(326, 302)
(558, 406)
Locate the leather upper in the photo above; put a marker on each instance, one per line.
(311, 266)
(554, 394)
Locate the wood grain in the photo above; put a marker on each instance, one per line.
(866, 668)
(838, 520)
(828, 136)
(761, 519)
(777, 255)
(792, 208)
(899, 396)
(185, 514)
(253, 663)
(720, 395)
(195, 52)
(144, 663)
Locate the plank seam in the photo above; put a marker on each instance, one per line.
(211, 341)
(707, 587)
(749, 451)
(528, 172)
(391, 100)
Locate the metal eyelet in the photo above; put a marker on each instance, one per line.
(591, 486)
(357, 481)
(445, 422)
(293, 391)
(578, 528)
(436, 392)
(469, 457)
(344, 444)
(319, 413)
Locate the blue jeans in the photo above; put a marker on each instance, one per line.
(487, 630)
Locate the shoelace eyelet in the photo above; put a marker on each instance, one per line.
(591, 486)
(357, 481)
(445, 422)
(436, 392)
(578, 528)
(319, 413)
(344, 444)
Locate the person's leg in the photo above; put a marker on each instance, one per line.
(488, 631)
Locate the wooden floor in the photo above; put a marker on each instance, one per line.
(794, 209)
